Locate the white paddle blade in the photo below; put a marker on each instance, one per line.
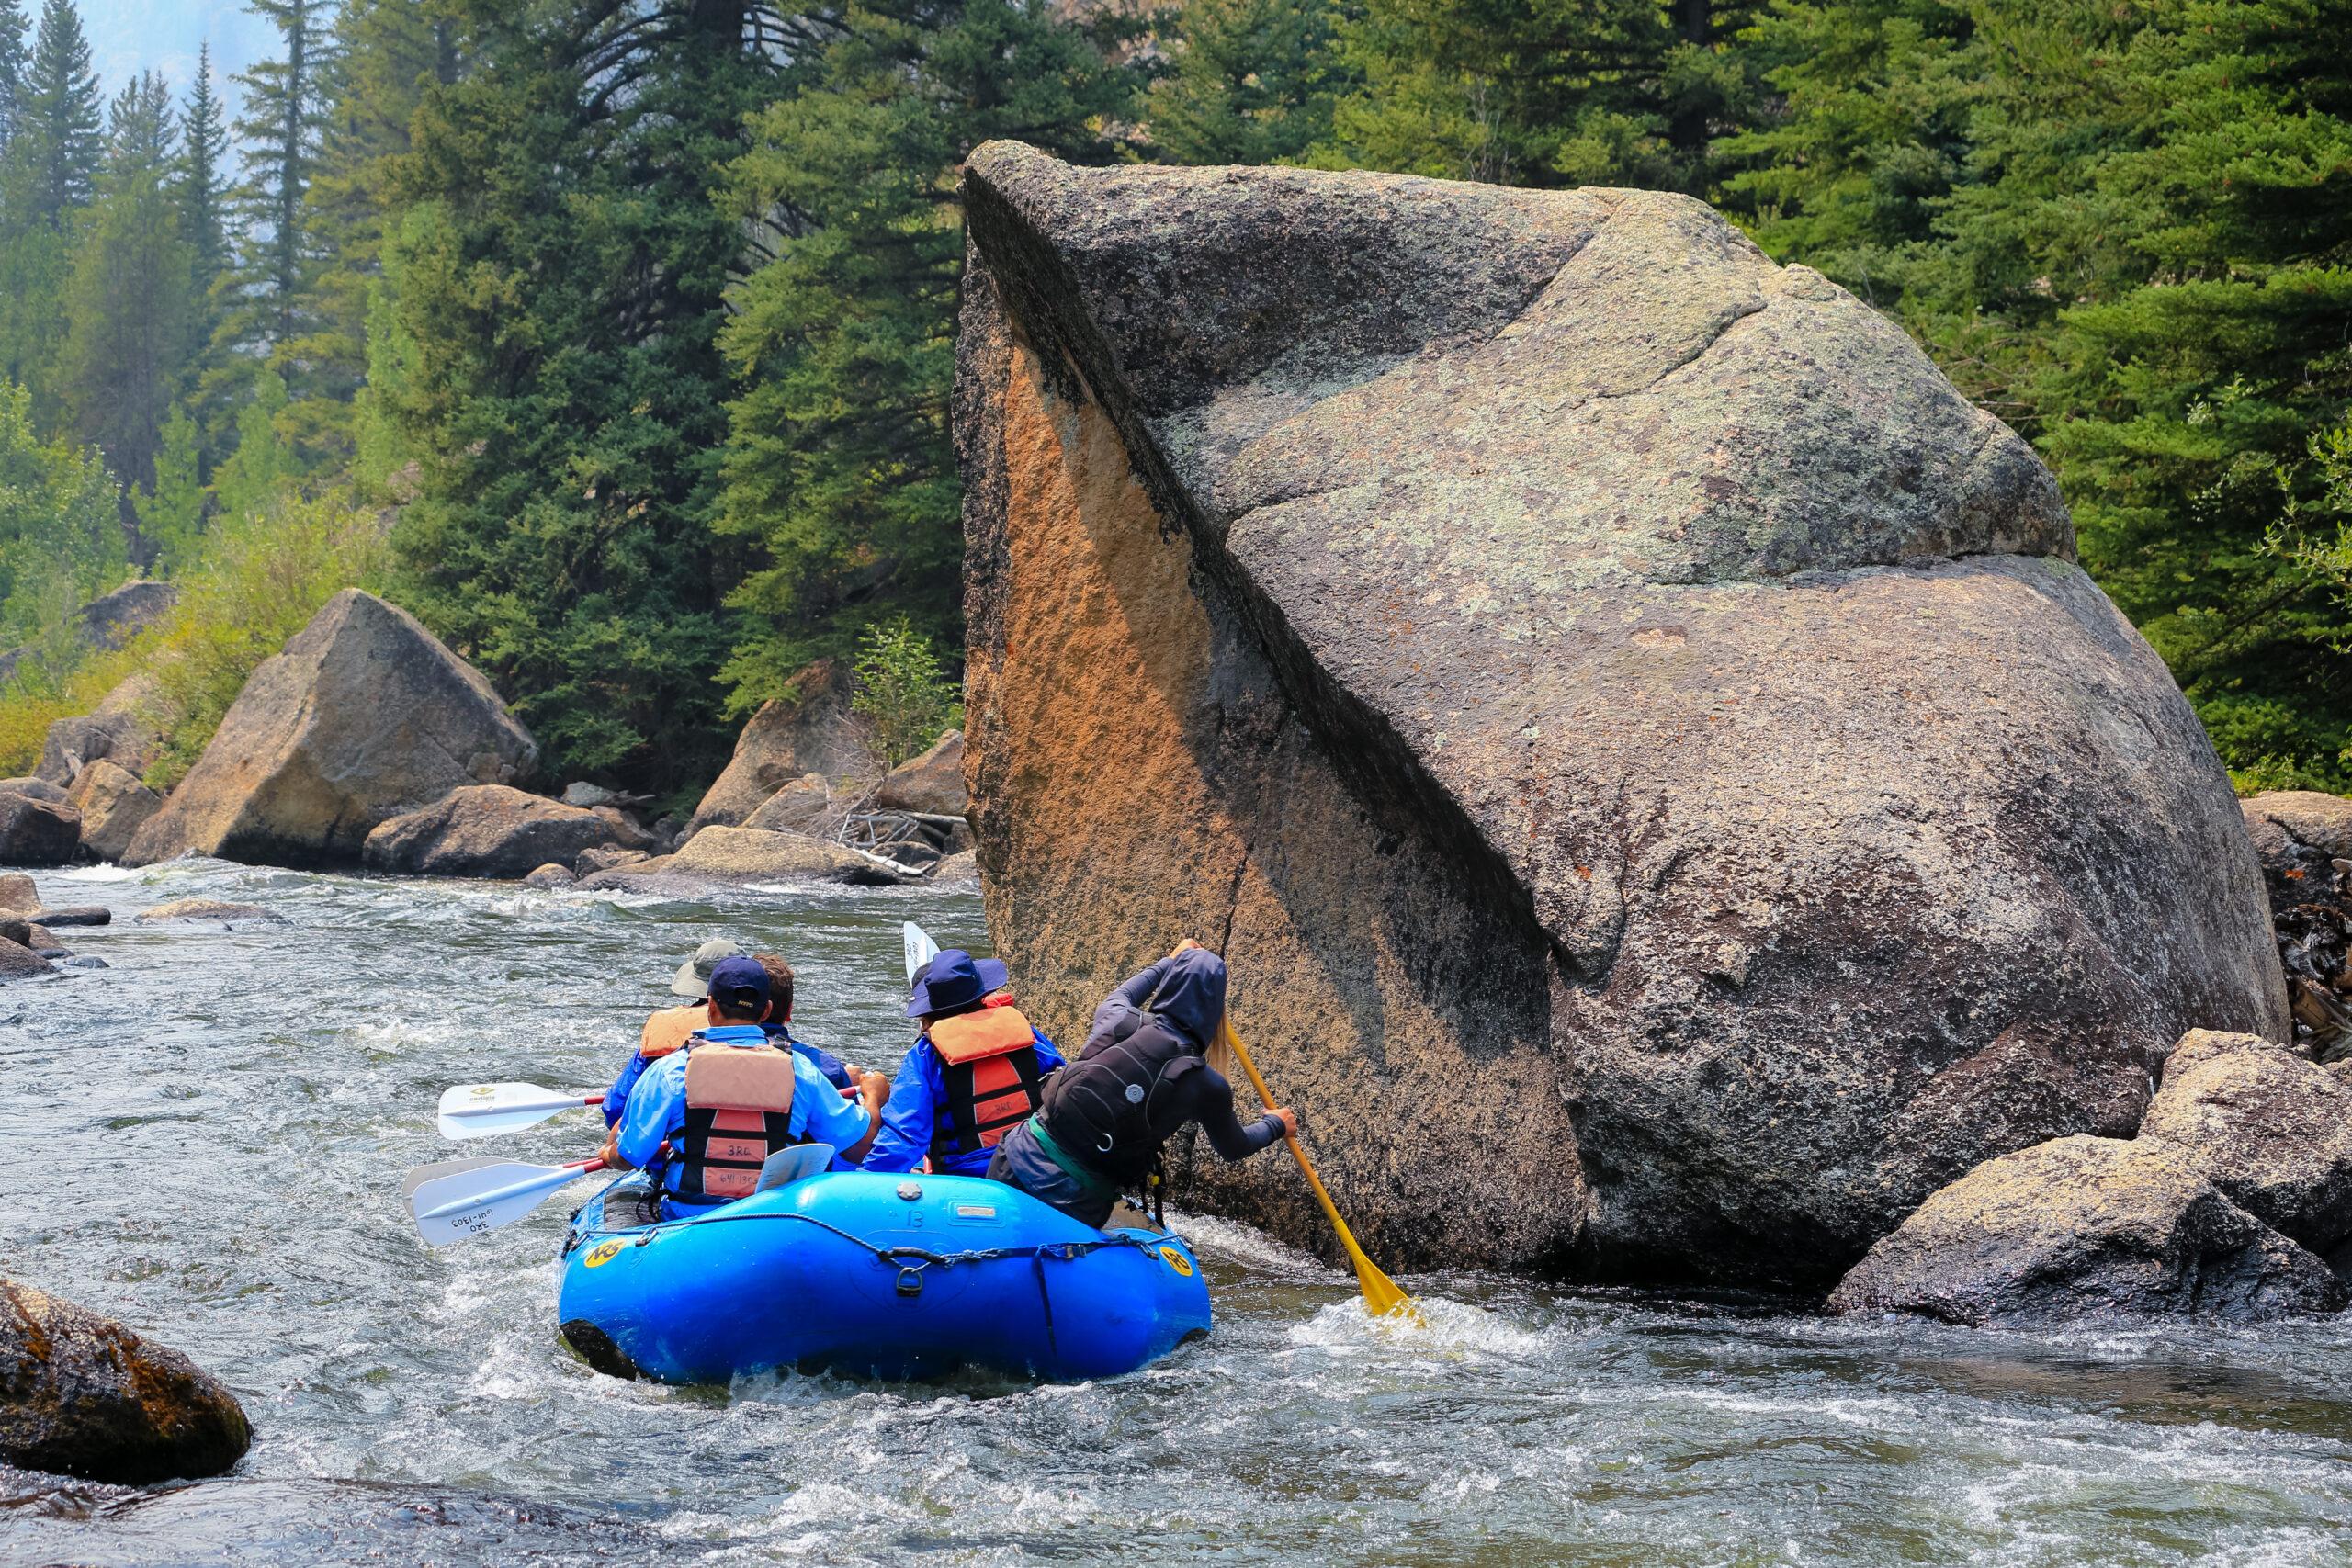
(921, 949)
(479, 1109)
(452, 1208)
(788, 1165)
(425, 1173)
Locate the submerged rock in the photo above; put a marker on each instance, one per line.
(2266, 1127)
(2085, 1228)
(81, 1395)
(487, 831)
(1669, 796)
(37, 832)
(363, 717)
(114, 807)
(207, 909)
(812, 732)
(933, 782)
(549, 875)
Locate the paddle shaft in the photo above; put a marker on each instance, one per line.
(516, 1108)
(1305, 1166)
(546, 1180)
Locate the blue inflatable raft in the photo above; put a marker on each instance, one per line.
(873, 1276)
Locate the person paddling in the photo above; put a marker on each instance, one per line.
(972, 1074)
(1102, 1119)
(728, 1100)
(667, 1030)
(778, 1024)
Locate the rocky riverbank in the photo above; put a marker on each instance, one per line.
(366, 742)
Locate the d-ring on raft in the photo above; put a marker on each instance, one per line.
(872, 1276)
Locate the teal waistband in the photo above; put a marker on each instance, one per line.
(1095, 1186)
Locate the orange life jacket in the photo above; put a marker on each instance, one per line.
(738, 1111)
(989, 1061)
(667, 1030)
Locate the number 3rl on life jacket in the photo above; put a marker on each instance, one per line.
(738, 1111)
(989, 1060)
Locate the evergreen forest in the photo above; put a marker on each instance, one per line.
(614, 338)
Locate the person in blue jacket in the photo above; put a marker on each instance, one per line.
(713, 1112)
(778, 1024)
(975, 1072)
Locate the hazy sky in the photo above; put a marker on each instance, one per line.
(128, 36)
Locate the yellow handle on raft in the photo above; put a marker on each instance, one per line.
(1381, 1294)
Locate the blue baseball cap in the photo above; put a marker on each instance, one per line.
(955, 979)
(731, 978)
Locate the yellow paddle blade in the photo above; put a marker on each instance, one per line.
(1381, 1295)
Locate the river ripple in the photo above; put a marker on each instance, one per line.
(207, 1138)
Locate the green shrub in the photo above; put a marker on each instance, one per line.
(902, 691)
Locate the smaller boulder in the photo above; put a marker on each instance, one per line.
(549, 876)
(85, 1396)
(958, 868)
(37, 832)
(810, 731)
(19, 962)
(2087, 1227)
(207, 910)
(121, 729)
(588, 863)
(628, 831)
(931, 783)
(111, 621)
(751, 854)
(804, 805)
(18, 893)
(2272, 1130)
(114, 807)
(37, 787)
(487, 831)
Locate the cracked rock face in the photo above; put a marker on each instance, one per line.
(1668, 794)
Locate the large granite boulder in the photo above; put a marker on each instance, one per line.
(752, 854)
(363, 717)
(811, 732)
(114, 806)
(804, 805)
(81, 1395)
(2084, 1227)
(931, 783)
(489, 830)
(2271, 1129)
(2304, 842)
(34, 831)
(1668, 795)
(121, 729)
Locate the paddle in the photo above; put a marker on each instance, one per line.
(1381, 1294)
(477, 1196)
(921, 949)
(479, 1110)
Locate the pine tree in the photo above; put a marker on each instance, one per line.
(204, 152)
(171, 510)
(57, 133)
(1557, 92)
(563, 271)
(127, 301)
(13, 64)
(279, 134)
(839, 461)
(1254, 81)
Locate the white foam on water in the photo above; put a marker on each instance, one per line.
(1447, 1328)
(1235, 1242)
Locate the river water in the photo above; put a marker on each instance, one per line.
(206, 1139)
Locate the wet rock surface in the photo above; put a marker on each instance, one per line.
(207, 909)
(2085, 1228)
(1544, 643)
(363, 717)
(2304, 842)
(2269, 1128)
(80, 1394)
(491, 830)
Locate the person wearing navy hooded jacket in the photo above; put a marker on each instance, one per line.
(973, 1074)
(1143, 1075)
